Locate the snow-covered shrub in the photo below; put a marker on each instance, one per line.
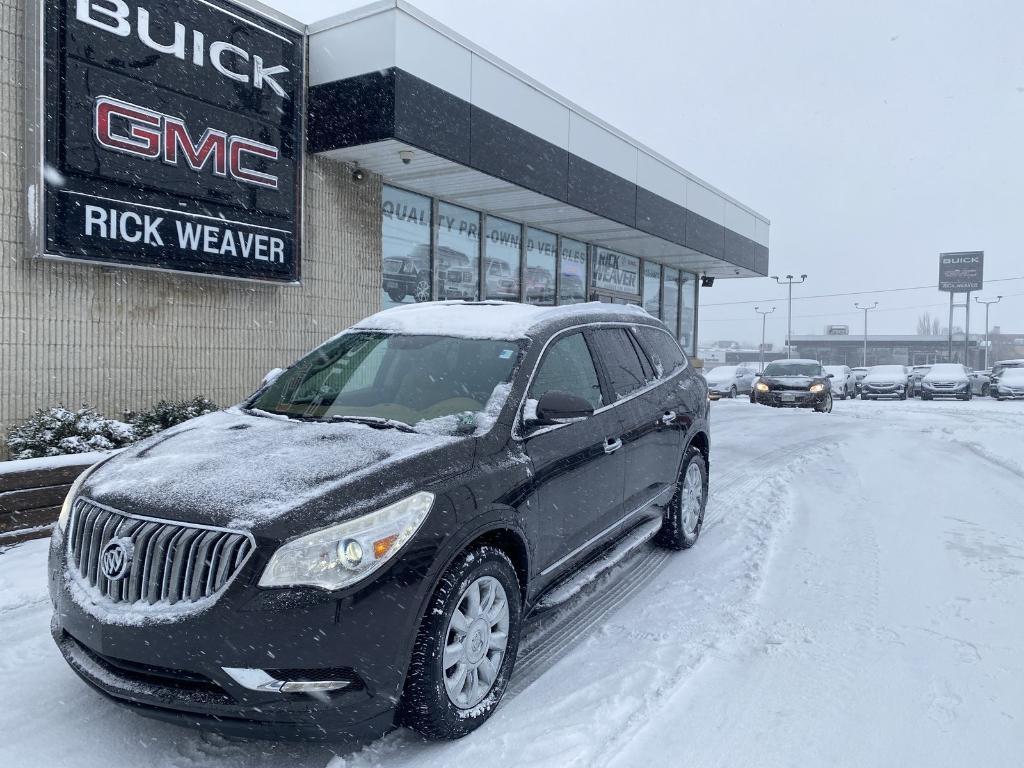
(58, 431)
(167, 413)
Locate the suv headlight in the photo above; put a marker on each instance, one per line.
(343, 554)
(815, 388)
(762, 387)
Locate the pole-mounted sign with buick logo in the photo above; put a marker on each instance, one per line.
(172, 136)
(961, 272)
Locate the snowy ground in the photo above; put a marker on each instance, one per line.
(855, 599)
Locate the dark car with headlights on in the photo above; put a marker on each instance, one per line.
(356, 545)
(794, 384)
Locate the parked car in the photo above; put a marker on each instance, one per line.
(456, 277)
(884, 381)
(947, 380)
(501, 280)
(1010, 385)
(794, 384)
(407, 276)
(917, 373)
(357, 544)
(730, 380)
(844, 384)
(858, 376)
(539, 287)
(981, 383)
(1001, 365)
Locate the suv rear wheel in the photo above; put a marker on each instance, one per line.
(685, 513)
(466, 647)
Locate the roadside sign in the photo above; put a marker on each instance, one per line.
(961, 272)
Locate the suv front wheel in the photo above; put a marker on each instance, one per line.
(466, 647)
(685, 513)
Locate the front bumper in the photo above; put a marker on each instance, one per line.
(173, 668)
(781, 398)
(883, 390)
(958, 390)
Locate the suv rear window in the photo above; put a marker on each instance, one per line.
(621, 361)
(662, 349)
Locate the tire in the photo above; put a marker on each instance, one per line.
(903, 395)
(926, 397)
(732, 392)
(984, 390)
(426, 705)
(865, 396)
(676, 532)
(826, 405)
(396, 297)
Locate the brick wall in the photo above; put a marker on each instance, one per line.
(122, 339)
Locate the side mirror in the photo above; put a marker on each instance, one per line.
(561, 407)
(271, 377)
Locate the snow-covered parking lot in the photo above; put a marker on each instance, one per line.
(855, 599)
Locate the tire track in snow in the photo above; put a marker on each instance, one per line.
(567, 626)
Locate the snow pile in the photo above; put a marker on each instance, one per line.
(486, 319)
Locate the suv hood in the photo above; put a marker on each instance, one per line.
(273, 476)
(944, 379)
(791, 381)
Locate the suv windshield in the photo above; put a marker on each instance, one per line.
(400, 378)
(792, 368)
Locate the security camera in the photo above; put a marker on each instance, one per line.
(358, 175)
(407, 155)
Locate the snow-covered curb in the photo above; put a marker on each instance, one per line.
(17, 466)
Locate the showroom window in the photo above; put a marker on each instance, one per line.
(501, 259)
(572, 287)
(670, 300)
(458, 253)
(652, 288)
(405, 242)
(688, 317)
(539, 278)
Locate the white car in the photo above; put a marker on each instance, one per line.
(947, 380)
(844, 384)
(730, 380)
(884, 381)
(1010, 384)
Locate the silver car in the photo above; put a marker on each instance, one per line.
(730, 380)
(844, 384)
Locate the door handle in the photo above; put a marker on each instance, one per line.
(669, 417)
(612, 445)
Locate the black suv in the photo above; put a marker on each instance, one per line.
(794, 384)
(357, 544)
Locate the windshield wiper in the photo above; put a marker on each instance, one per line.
(376, 421)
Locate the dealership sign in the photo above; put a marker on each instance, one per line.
(616, 272)
(961, 272)
(172, 136)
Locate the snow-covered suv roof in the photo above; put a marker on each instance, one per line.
(490, 319)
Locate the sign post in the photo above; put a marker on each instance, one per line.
(961, 272)
(171, 136)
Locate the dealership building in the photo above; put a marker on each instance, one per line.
(196, 192)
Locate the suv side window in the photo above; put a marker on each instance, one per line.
(625, 373)
(568, 367)
(663, 349)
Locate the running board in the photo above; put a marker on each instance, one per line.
(573, 584)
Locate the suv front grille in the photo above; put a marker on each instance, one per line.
(170, 562)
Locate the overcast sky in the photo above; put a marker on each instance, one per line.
(873, 134)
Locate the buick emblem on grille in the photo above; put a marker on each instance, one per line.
(116, 558)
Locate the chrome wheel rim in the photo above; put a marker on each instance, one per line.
(475, 642)
(691, 497)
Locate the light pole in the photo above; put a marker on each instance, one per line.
(866, 309)
(987, 303)
(764, 319)
(789, 323)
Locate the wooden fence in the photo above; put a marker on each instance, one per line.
(30, 498)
